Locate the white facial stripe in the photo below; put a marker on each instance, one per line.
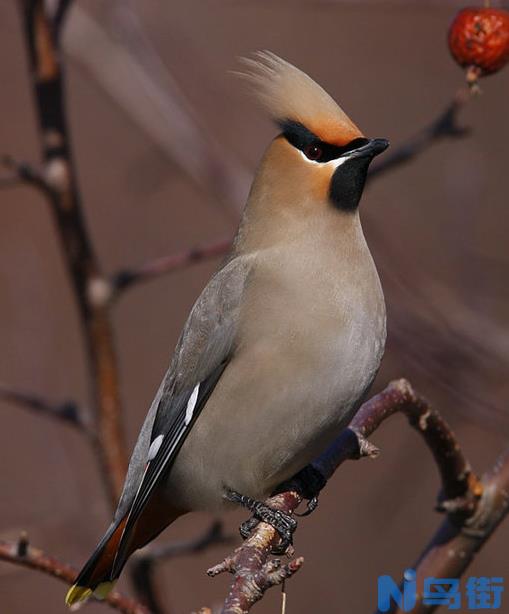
(333, 163)
(154, 447)
(191, 404)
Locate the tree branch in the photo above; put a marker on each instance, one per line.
(42, 33)
(21, 553)
(144, 562)
(442, 127)
(68, 411)
(455, 544)
(463, 495)
(168, 264)
(22, 173)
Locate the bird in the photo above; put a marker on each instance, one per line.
(282, 345)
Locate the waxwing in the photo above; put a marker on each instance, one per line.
(281, 346)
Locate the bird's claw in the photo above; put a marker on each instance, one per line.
(282, 522)
(247, 527)
(311, 506)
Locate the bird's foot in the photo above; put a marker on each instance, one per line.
(284, 524)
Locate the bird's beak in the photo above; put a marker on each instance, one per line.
(372, 148)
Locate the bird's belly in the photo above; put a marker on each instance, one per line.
(251, 437)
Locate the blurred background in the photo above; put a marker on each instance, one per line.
(166, 140)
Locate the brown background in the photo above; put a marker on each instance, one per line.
(438, 229)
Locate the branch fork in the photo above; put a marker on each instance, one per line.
(473, 509)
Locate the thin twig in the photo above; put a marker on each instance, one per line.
(21, 173)
(21, 553)
(144, 562)
(169, 264)
(442, 127)
(67, 411)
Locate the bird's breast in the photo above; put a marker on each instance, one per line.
(310, 339)
(318, 318)
(317, 305)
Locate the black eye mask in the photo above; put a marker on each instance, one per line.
(314, 148)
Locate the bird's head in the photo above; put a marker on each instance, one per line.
(320, 156)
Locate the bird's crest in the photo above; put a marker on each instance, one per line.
(289, 94)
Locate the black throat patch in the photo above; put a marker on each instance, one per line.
(348, 183)
(348, 179)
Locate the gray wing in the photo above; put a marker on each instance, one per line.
(202, 353)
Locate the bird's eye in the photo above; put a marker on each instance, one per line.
(313, 152)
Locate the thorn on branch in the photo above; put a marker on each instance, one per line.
(277, 574)
(227, 565)
(22, 546)
(366, 448)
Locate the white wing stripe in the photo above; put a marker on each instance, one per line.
(191, 404)
(154, 447)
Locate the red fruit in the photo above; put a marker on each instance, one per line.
(479, 40)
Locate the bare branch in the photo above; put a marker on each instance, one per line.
(444, 126)
(144, 562)
(43, 45)
(60, 14)
(21, 173)
(462, 497)
(455, 544)
(168, 264)
(458, 481)
(68, 411)
(21, 553)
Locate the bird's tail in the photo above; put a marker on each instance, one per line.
(95, 577)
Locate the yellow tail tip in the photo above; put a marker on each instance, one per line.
(77, 594)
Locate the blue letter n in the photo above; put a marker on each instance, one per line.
(389, 591)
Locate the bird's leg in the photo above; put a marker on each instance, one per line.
(308, 482)
(284, 524)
